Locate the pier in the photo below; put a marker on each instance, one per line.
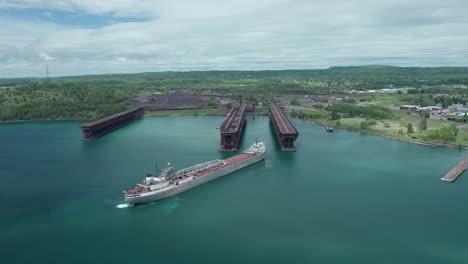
(285, 131)
(108, 124)
(458, 170)
(231, 128)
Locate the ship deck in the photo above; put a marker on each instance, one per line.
(228, 162)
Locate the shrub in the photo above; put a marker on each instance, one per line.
(410, 128)
(448, 133)
(364, 125)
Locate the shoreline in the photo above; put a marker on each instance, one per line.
(44, 120)
(429, 144)
(86, 119)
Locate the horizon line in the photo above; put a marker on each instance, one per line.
(238, 70)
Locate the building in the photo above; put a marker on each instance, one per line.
(333, 99)
(395, 90)
(435, 108)
(409, 107)
(458, 108)
(426, 109)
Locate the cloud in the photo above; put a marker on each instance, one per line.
(46, 56)
(46, 14)
(143, 7)
(209, 34)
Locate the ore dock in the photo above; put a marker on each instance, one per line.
(458, 170)
(231, 128)
(108, 124)
(285, 131)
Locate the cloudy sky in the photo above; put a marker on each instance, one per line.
(78, 37)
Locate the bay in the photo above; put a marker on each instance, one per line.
(344, 197)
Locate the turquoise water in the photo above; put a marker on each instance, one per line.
(344, 197)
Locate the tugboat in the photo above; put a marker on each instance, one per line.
(329, 129)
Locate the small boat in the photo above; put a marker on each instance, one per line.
(328, 129)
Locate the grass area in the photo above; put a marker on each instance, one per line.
(262, 110)
(405, 118)
(352, 123)
(387, 100)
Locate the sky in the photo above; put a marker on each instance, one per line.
(78, 37)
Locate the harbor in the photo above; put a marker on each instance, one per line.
(77, 197)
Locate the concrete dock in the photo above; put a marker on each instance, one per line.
(458, 170)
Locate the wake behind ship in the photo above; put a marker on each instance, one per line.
(169, 182)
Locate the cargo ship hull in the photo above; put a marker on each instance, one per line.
(174, 190)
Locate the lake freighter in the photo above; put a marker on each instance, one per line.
(169, 183)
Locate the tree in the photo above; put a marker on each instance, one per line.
(293, 113)
(335, 115)
(420, 101)
(410, 128)
(454, 129)
(372, 122)
(364, 125)
(444, 102)
(447, 133)
(424, 114)
(423, 124)
(295, 102)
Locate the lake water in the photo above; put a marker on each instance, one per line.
(344, 197)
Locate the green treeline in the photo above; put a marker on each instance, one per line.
(291, 81)
(52, 101)
(94, 96)
(308, 115)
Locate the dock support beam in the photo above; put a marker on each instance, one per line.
(231, 128)
(108, 124)
(458, 170)
(285, 131)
